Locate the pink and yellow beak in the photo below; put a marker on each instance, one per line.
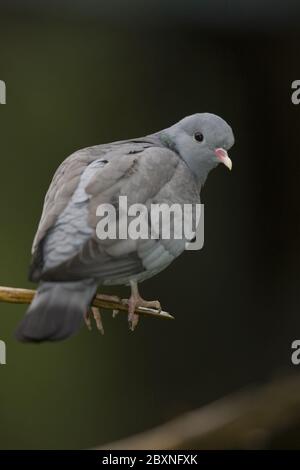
(222, 156)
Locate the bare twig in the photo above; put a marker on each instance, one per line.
(24, 296)
(257, 418)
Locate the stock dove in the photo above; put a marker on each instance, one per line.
(70, 261)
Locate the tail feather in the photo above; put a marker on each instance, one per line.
(56, 311)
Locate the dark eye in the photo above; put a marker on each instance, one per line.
(199, 136)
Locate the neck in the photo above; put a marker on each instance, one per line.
(200, 171)
(167, 141)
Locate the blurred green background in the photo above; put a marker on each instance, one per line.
(83, 73)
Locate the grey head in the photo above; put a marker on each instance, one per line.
(202, 141)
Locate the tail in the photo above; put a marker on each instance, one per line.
(56, 311)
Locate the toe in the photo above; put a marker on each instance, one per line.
(133, 318)
(98, 320)
(152, 304)
(111, 298)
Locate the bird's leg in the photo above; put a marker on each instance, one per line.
(135, 301)
(97, 316)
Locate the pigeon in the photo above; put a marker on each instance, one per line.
(69, 260)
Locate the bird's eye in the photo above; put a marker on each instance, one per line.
(199, 136)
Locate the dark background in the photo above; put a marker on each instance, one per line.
(84, 72)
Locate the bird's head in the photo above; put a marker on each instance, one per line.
(202, 141)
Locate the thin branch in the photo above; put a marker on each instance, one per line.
(24, 296)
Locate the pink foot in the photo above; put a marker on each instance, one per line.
(135, 301)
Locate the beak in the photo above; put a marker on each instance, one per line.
(222, 156)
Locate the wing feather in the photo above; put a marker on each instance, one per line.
(141, 171)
